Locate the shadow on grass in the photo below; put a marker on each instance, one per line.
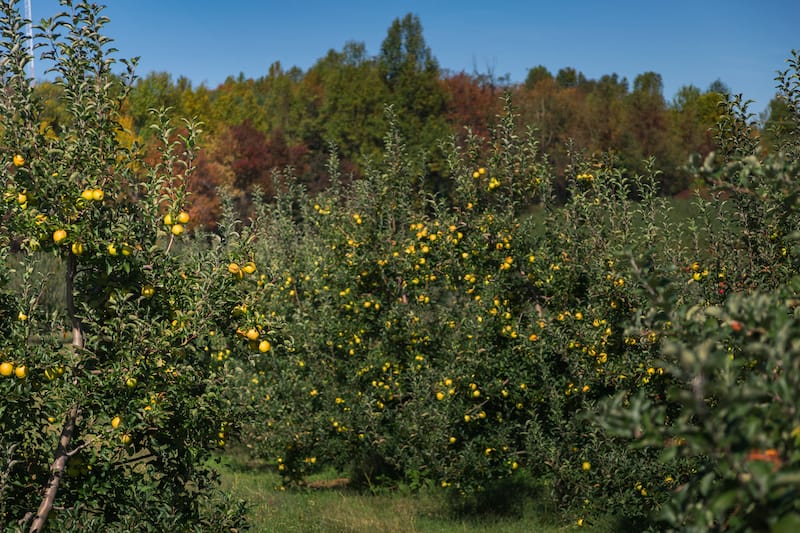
(506, 498)
(326, 501)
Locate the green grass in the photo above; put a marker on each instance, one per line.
(333, 507)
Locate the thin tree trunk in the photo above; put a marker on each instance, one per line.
(63, 450)
(56, 471)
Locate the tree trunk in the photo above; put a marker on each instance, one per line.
(63, 450)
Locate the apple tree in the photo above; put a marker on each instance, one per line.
(111, 407)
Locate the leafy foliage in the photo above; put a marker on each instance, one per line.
(615, 352)
(473, 313)
(110, 407)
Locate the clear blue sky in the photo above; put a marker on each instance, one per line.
(742, 43)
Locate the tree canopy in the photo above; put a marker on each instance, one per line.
(254, 127)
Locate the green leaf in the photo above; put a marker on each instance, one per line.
(721, 503)
(789, 523)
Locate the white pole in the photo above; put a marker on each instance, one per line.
(29, 16)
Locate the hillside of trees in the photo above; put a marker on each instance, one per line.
(288, 117)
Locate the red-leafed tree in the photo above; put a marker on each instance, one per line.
(470, 103)
(241, 159)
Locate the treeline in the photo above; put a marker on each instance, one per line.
(293, 118)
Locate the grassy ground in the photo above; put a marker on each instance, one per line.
(331, 506)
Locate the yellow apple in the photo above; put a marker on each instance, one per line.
(6, 369)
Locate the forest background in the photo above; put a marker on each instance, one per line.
(290, 117)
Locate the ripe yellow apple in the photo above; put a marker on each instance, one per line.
(97, 195)
(264, 346)
(115, 422)
(112, 250)
(87, 195)
(167, 219)
(235, 269)
(252, 334)
(125, 438)
(59, 235)
(22, 198)
(6, 369)
(131, 382)
(19, 160)
(22, 317)
(148, 291)
(77, 248)
(177, 229)
(249, 267)
(183, 217)
(21, 371)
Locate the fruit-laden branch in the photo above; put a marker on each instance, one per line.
(62, 451)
